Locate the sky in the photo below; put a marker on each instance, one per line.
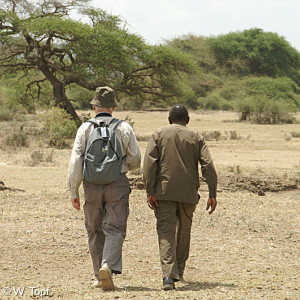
(158, 20)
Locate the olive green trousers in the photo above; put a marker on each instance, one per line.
(174, 223)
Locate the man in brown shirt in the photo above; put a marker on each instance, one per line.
(172, 181)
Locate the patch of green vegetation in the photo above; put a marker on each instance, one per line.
(58, 127)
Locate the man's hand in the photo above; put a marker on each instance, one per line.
(212, 204)
(76, 203)
(152, 203)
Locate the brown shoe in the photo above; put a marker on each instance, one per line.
(105, 274)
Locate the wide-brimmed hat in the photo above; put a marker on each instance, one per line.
(104, 97)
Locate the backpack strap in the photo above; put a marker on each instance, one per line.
(107, 121)
(114, 123)
(99, 122)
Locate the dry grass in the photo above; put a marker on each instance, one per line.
(248, 249)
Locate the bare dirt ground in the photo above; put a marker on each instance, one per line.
(248, 249)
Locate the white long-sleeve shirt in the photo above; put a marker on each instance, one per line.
(129, 146)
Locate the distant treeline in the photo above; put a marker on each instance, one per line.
(254, 72)
(49, 59)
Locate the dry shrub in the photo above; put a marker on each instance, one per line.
(212, 135)
(16, 140)
(217, 135)
(295, 134)
(142, 138)
(236, 169)
(5, 114)
(129, 121)
(38, 156)
(287, 137)
(234, 136)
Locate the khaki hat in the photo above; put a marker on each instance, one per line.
(104, 97)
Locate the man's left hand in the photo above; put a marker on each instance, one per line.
(76, 203)
(212, 204)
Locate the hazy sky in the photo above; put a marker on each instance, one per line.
(156, 20)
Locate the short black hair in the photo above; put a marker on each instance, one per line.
(178, 112)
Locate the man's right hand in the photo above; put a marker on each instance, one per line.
(76, 203)
(152, 203)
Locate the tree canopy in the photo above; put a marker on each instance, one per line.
(55, 59)
(256, 52)
(254, 72)
(40, 38)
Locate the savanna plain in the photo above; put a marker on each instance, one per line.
(249, 248)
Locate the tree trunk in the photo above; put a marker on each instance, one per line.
(59, 93)
(63, 102)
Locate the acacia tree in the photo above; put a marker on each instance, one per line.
(41, 36)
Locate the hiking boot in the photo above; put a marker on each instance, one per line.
(105, 275)
(168, 284)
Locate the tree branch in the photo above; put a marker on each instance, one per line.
(37, 82)
(11, 56)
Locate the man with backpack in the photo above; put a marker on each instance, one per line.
(172, 181)
(105, 148)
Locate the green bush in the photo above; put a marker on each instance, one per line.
(254, 51)
(191, 102)
(212, 102)
(277, 112)
(283, 88)
(259, 99)
(58, 127)
(215, 102)
(265, 111)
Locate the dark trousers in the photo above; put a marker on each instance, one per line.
(106, 211)
(174, 223)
